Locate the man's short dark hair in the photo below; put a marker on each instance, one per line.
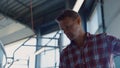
(67, 13)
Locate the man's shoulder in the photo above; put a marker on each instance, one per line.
(100, 35)
(104, 36)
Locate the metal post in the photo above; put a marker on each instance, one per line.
(102, 11)
(1, 57)
(38, 57)
(60, 41)
(84, 23)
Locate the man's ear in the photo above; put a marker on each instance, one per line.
(78, 20)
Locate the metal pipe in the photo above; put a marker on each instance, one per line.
(102, 12)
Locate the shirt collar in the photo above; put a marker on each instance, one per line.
(88, 35)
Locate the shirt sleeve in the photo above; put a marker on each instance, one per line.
(115, 43)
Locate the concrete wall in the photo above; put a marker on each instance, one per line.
(112, 17)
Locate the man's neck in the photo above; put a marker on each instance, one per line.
(80, 40)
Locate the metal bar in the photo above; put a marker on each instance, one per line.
(41, 46)
(84, 23)
(38, 57)
(20, 8)
(60, 42)
(103, 21)
(22, 3)
(48, 38)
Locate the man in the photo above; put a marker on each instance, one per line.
(85, 50)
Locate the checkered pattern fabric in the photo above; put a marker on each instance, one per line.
(98, 51)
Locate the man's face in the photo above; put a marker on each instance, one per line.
(70, 27)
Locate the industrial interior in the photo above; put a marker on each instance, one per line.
(31, 38)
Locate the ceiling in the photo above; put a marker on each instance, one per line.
(40, 15)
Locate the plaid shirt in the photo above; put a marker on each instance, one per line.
(97, 52)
